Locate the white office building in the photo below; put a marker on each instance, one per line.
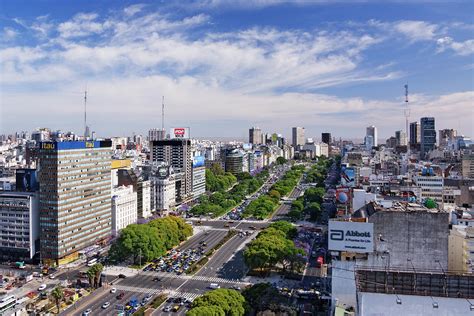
(431, 187)
(19, 225)
(124, 208)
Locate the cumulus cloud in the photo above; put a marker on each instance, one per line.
(254, 75)
(462, 48)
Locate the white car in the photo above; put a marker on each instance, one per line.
(214, 286)
(42, 287)
(105, 305)
(113, 290)
(52, 276)
(87, 312)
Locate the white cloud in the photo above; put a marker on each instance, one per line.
(417, 30)
(133, 9)
(462, 48)
(131, 59)
(9, 33)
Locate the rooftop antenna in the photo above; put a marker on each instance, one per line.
(86, 128)
(407, 115)
(163, 113)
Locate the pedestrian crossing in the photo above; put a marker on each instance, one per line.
(143, 290)
(187, 295)
(194, 278)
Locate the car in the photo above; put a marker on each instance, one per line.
(120, 296)
(253, 227)
(167, 308)
(87, 312)
(122, 276)
(157, 279)
(105, 305)
(113, 290)
(52, 276)
(176, 308)
(236, 287)
(42, 287)
(226, 225)
(214, 286)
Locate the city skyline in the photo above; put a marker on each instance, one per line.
(226, 67)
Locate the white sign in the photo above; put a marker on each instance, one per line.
(351, 236)
(179, 132)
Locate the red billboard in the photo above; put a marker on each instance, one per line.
(179, 132)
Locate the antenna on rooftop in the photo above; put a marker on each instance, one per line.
(163, 113)
(86, 128)
(407, 115)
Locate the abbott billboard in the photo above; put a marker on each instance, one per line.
(179, 132)
(351, 236)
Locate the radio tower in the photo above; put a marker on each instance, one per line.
(86, 128)
(163, 113)
(407, 115)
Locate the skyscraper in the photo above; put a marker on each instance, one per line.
(74, 198)
(255, 136)
(156, 134)
(427, 134)
(372, 131)
(414, 134)
(401, 138)
(298, 136)
(176, 153)
(326, 138)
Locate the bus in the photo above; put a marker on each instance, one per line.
(91, 262)
(6, 303)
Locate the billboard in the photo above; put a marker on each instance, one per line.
(348, 177)
(198, 161)
(179, 132)
(26, 180)
(351, 236)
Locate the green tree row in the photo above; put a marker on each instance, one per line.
(220, 203)
(273, 246)
(217, 180)
(264, 205)
(144, 242)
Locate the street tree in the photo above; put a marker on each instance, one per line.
(58, 295)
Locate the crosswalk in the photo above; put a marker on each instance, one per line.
(187, 295)
(194, 277)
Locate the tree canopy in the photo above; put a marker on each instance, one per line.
(231, 302)
(144, 242)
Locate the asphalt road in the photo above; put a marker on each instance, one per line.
(226, 267)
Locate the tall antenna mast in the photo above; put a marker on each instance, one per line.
(407, 115)
(85, 114)
(163, 113)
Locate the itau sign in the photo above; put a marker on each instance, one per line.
(351, 236)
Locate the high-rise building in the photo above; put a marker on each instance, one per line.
(199, 176)
(298, 136)
(401, 137)
(427, 134)
(74, 197)
(255, 136)
(156, 134)
(415, 138)
(177, 154)
(326, 138)
(446, 135)
(19, 223)
(372, 131)
(234, 161)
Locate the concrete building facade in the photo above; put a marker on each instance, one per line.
(19, 226)
(298, 136)
(124, 208)
(74, 198)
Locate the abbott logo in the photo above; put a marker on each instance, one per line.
(336, 234)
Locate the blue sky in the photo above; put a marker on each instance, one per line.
(224, 66)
